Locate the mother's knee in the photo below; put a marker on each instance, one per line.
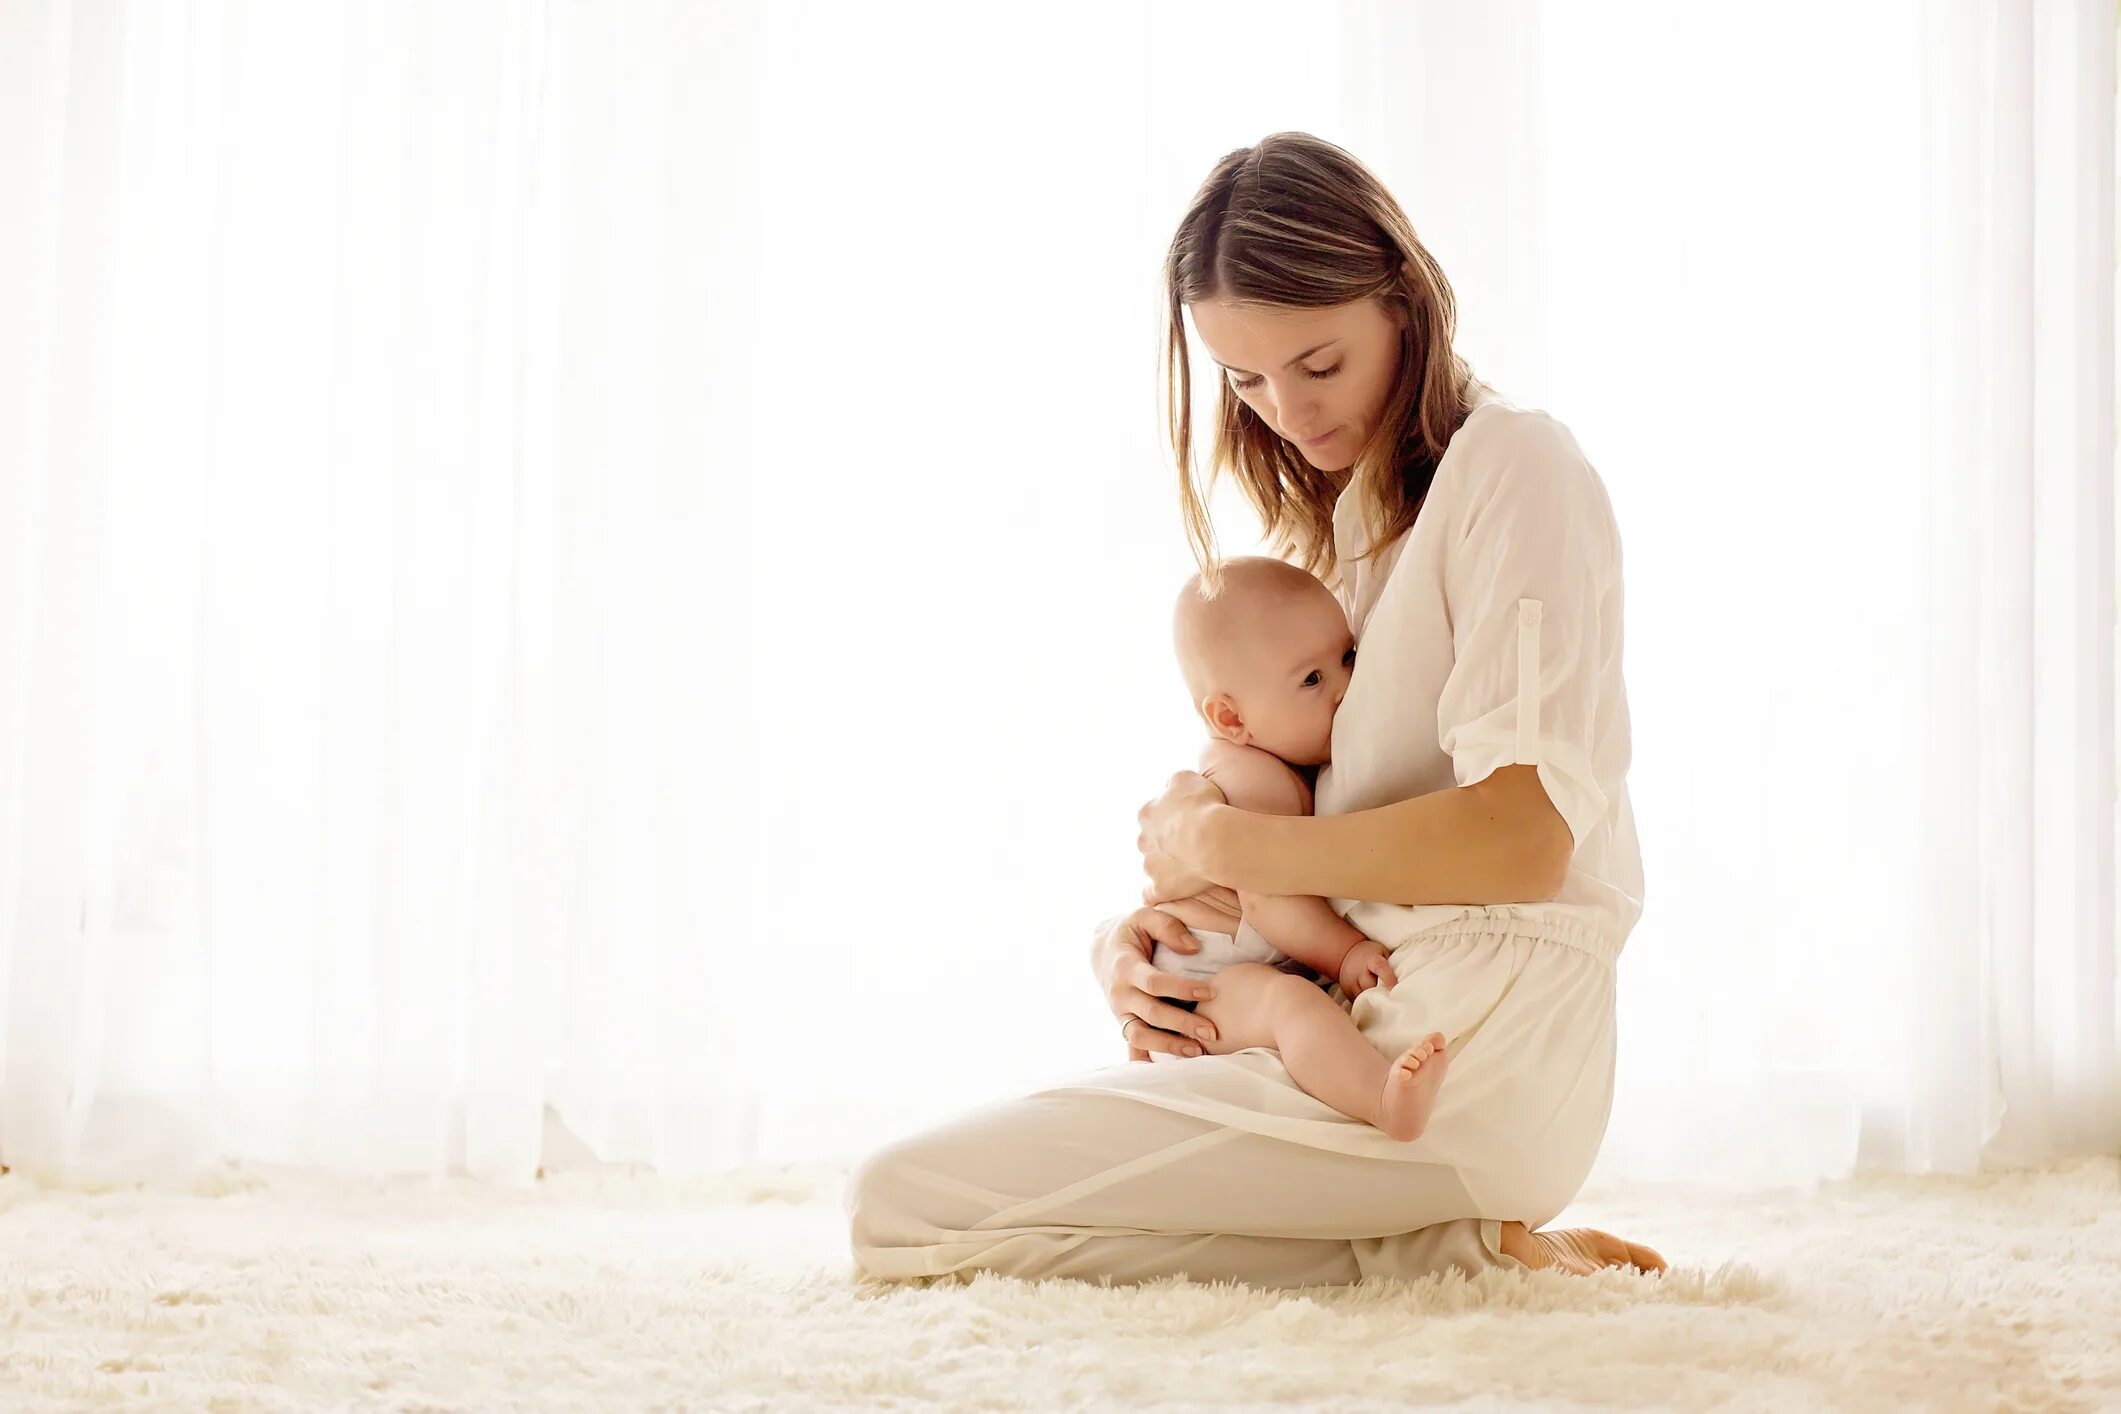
(889, 1205)
(875, 1193)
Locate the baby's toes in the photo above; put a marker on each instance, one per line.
(1422, 1050)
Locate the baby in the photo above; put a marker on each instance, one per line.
(1266, 664)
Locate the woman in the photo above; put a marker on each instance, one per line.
(1474, 817)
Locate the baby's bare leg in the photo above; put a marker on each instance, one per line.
(1257, 1005)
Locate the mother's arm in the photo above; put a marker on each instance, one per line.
(1499, 840)
(1532, 593)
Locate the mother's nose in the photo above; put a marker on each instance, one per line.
(1285, 417)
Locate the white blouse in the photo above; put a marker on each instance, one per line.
(1501, 605)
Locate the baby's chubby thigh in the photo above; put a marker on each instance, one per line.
(1252, 1004)
(1251, 996)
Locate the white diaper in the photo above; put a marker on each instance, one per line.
(1220, 950)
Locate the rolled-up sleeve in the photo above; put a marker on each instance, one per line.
(1526, 581)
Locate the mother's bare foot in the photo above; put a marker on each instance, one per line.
(1579, 1250)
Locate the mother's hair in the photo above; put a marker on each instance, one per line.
(1297, 221)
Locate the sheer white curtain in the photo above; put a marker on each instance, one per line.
(611, 558)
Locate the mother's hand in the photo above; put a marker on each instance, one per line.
(1171, 839)
(1135, 989)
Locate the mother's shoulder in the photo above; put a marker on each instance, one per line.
(1510, 469)
(1500, 428)
(1502, 443)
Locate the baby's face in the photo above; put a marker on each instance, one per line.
(1296, 668)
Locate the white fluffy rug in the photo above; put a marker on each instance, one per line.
(608, 1289)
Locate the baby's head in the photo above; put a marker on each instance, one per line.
(1267, 661)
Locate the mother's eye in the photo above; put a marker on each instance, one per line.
(1244, 383)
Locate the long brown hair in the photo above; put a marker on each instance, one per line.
(1297, 221)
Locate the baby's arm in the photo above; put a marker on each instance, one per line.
(1302, 925)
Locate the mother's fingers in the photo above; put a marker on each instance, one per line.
(1148, 1035)
(1136, 988)
(1154, 983)
(1164, 1025)
(1161, 927)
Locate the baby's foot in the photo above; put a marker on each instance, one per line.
(1410, 1088)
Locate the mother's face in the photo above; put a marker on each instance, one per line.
(1318, 377)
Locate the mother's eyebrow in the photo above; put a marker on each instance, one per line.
(1290, 364)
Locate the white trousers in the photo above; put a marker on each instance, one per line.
(1220, 1168)
(1091, 1185)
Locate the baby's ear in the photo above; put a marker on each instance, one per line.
(1223, 719)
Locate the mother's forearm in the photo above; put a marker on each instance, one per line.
(1466, 844)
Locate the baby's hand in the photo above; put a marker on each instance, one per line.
(1365, 967)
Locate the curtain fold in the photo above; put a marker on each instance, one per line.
(584, 564)
(2033, 387)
